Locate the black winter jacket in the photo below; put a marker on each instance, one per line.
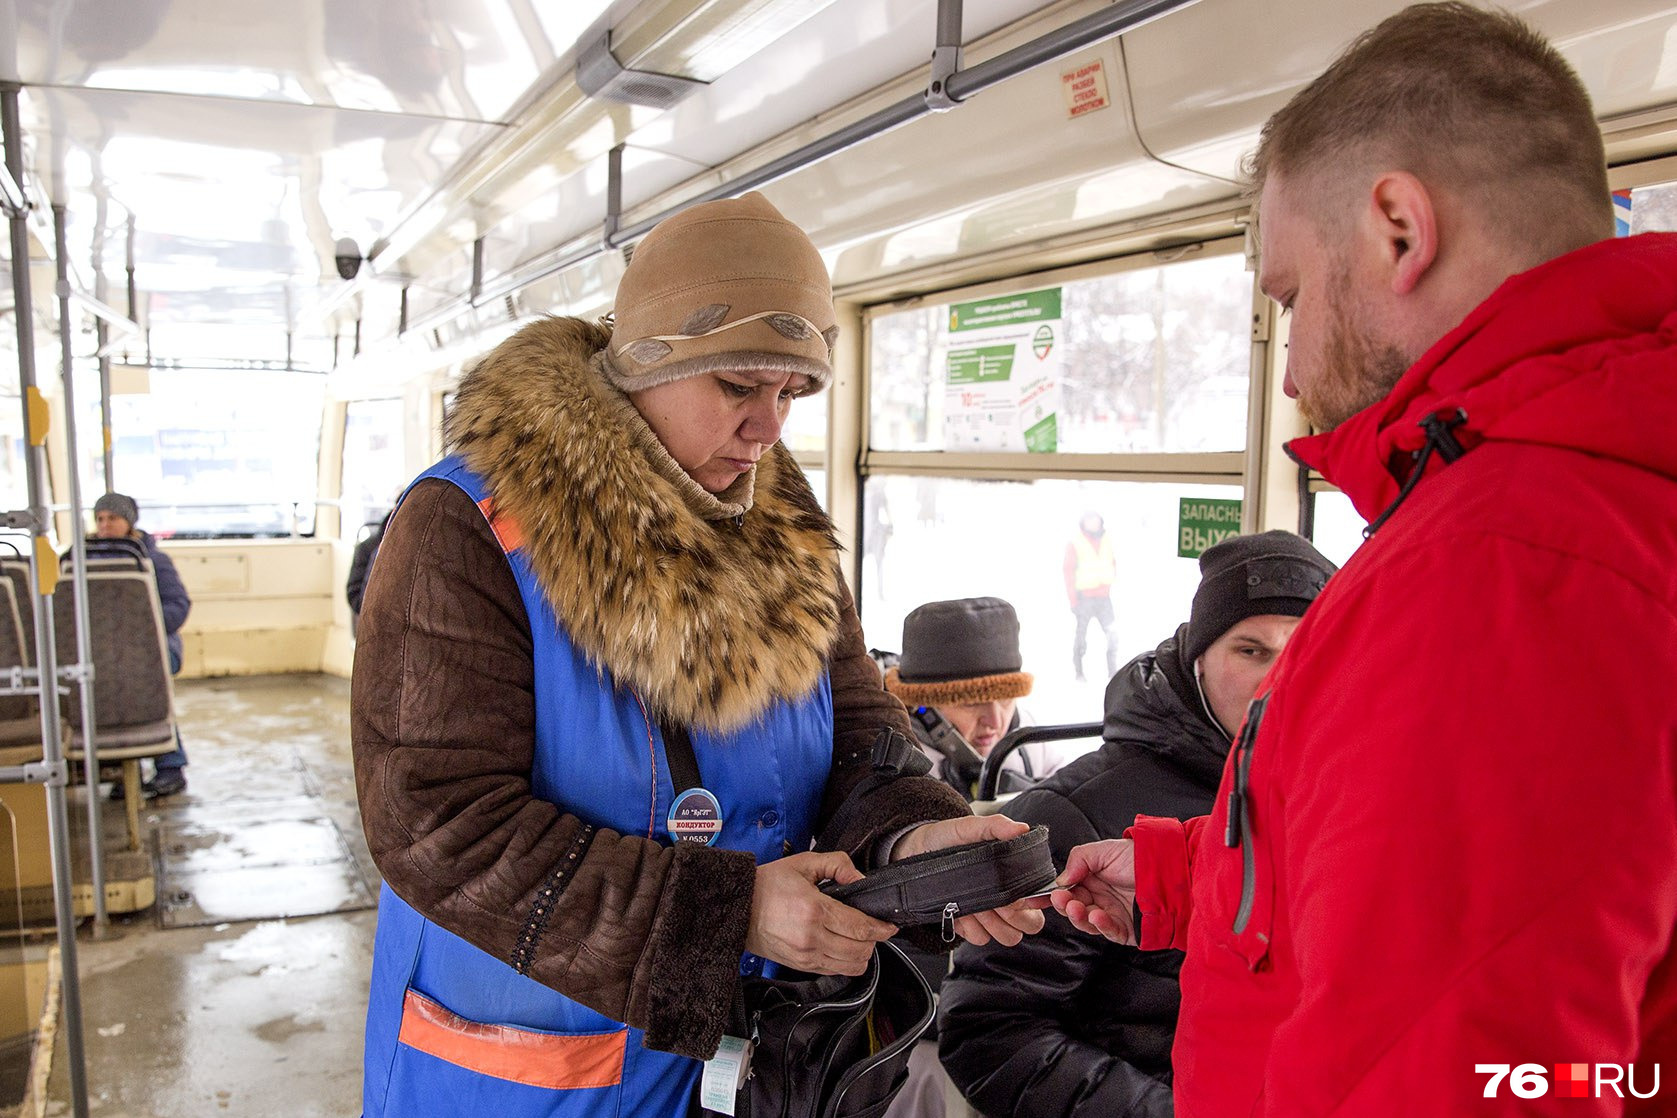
(1066, 1023)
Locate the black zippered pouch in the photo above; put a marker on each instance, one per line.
(937, 887)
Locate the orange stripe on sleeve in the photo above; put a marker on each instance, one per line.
(506, 529)
(559, 1063)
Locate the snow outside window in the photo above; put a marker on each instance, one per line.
(928, 538)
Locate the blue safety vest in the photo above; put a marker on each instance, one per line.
(454, 1031)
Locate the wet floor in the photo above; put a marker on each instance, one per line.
(222, 1000)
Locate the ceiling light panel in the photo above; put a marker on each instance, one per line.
(704, 39)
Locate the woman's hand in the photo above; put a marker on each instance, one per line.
(794, 923)
(1097, 890)
(1006, 926)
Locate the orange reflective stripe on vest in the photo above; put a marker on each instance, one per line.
(507, 532)
(535, 1059)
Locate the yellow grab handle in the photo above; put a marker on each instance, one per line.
(40, 417)
(46, 565)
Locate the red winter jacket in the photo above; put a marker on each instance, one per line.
(1459, 835)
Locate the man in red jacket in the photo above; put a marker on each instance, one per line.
(1443, 863)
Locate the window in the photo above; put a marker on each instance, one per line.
(1000, 415)
(927, 538)
(14, 469)
(817, 477)
(1646, 209)
(805, 431)
(220, 453)
(1146, 360)
(1337, 528)
(375, 466)
(805, 435)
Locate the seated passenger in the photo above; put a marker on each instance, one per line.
(959, 675)
(960, 671)
(114, 517)
(1068, 1024)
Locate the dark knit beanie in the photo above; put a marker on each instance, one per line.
(1248, 576)
(119, 504)
(964, 651)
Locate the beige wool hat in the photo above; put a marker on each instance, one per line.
(724, 286)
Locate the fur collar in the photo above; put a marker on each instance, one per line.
(710, 618)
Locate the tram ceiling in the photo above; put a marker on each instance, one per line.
(1012, 172)
(455, 144)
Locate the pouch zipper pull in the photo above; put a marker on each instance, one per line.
(949, 911)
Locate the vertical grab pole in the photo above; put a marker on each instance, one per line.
(78, 552)
(104, 337)
(44, 568)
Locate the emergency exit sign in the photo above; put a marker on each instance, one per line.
(1204, 521)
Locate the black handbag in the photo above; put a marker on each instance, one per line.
(821, 1046)
(831, 1046)
(835, 1046)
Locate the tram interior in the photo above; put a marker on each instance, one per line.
(256, 246)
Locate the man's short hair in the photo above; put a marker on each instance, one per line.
(1472, 100)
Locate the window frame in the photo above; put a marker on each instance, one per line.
(1205, 467)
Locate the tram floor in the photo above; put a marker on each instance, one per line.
(238, 1016)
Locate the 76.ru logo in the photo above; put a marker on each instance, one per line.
(1572, 1081)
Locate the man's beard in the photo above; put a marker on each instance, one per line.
(1357, 370)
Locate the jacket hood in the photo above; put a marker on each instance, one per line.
(1576, 354)
(710, 612)
(1151, 706)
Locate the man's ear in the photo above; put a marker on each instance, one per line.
(1404, 222)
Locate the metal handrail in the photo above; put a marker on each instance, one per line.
(945, 92)
(990, 776)
(78, 556)
(43, 568)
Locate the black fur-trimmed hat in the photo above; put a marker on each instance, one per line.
(1247, 576)
(962, 651)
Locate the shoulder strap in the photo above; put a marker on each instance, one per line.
(893, 756)
(947, 740)
(678, 753)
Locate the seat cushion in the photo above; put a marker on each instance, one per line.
(150, 739)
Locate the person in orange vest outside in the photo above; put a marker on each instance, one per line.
(1091, 569)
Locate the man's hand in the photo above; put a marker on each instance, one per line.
(1097, 889)
(1007, 925)
(794, 923)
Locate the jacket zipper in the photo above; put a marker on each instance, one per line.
(1239, 830)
